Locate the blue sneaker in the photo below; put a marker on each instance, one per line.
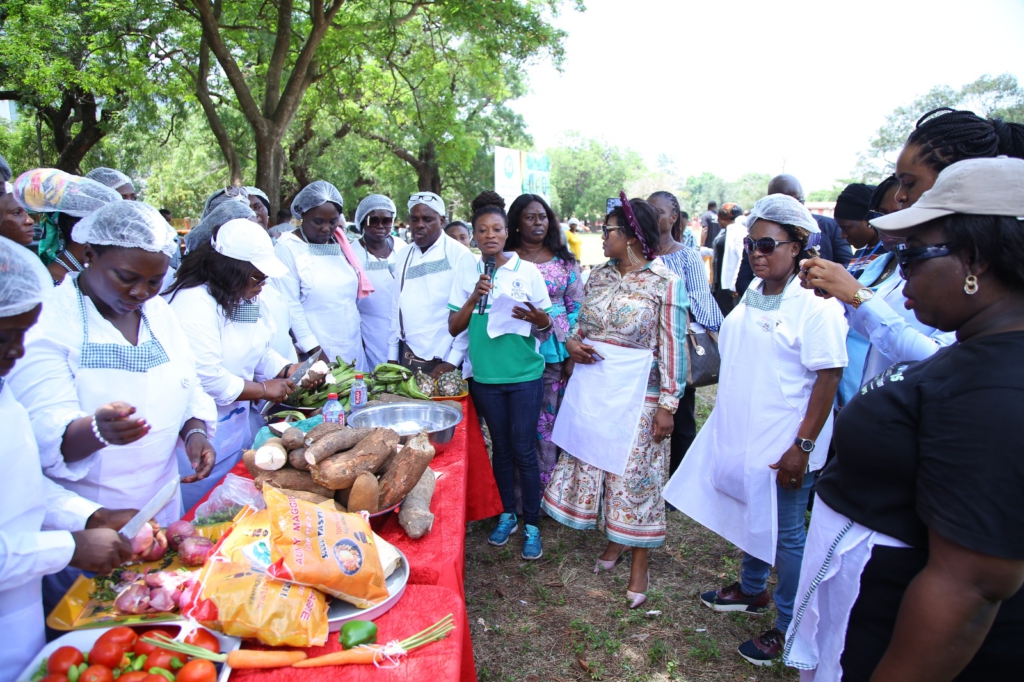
(531, 543)
(507, 524)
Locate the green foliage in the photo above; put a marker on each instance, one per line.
(585, 173)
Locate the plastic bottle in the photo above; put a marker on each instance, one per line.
(357, 395)
(333, 412)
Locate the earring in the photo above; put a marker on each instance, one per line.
(971, 285)
(632, 257)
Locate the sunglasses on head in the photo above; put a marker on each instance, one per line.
(907, 256)
(377, 221)
(765, 245)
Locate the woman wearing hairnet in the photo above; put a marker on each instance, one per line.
(324, 278)
(43, 527)
(749, 472)
(115, 180)
(378, 253)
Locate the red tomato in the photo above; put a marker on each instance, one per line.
(97, 673)
(205, 639)
(106, 653)
(152, 678)
(198, 670)
(123, 637)
(55, 678)
(161, 658)
(133, 676)
(63, 659)
(145, 648)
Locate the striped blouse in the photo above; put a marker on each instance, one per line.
(687, 264)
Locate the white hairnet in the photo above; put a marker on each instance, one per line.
(256, 191)
(109, 177)
(48, 190)
(374, 202)
(128, 224)
(203, 232)
(315, 194)
(23, 279)
(785, 210)
(428, 199)
(222, 195)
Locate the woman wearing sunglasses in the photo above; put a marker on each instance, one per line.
(915, 558)
(378, 253)
(749, 472)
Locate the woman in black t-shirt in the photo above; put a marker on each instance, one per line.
(915, 558)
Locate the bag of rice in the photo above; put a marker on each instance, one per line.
(330, 550)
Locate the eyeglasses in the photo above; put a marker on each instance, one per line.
(765, 245)
(258, 281)
(377, 221)
(907, 256)
(606, 231)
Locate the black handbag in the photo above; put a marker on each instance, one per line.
(703, 361)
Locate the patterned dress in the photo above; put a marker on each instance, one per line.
(643, 309)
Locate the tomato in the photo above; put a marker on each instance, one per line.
(146, 648)
(106, 653)
(151, 678)
(161, 658)
(97, 673)
(123, 637)
(55, 678)
(205, 639)
(198, 670)
(63, 659)
(133, 676)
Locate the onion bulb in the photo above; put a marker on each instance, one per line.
(142, 542)
(178, 531)
(193, 551)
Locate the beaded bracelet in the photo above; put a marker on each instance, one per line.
(185, 439)
(96, 432)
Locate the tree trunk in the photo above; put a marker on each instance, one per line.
(428, 174)
(220, 133)
(268, 165)
(75, 107)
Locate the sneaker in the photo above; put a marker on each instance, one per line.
(507, 524)
(732, 598)
(531, 543)
(764, 648)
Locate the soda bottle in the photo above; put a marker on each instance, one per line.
(357, 395)
(333, 412)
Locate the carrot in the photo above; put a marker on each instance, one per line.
(367, 655)
(250, 659)
(363, 654)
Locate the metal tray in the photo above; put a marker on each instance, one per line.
(341, 611)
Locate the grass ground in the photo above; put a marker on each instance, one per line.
(553, 619)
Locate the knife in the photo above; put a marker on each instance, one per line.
(132, 528)
(296, 376)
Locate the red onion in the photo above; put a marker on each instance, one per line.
(142, 542)
(157, 549)
(178, 531)
(133, 600)
(162, 598)
(193, 551)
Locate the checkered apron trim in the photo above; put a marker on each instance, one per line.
(431, 268)
(376, 265)
(755, 299)
(246, 312)
(328, 249)
(141, 358)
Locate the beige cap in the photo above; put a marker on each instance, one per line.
(973, 187)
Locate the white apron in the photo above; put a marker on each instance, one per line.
(724, 482)
(375, 309)
(145, 377)
(597, 425)
(328, 290)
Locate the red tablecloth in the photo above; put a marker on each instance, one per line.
(465, 491)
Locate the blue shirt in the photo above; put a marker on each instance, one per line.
(686, 263)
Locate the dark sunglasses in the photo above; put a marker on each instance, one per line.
(606, 231)
(377, 221)
(764, 245)
(907, 256)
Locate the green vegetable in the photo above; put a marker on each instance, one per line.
(356, 632)
(73, 674)
(41, 671)
(176, 664)
(160, 671)
(138, 663)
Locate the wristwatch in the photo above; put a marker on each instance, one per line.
(806, 444)
(861, 296)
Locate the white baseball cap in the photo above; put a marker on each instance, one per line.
(991, 186)
(245, 240)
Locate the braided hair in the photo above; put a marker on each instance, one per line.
(553, 241)
(947, 135)
(677, 226)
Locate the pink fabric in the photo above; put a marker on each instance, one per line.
(365, 285)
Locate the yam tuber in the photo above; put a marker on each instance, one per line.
(339, 471)
(249, 459)
(415, 515)
(297, 458)
(334, 442)
(341, 497)
(364, 494)
(291, 479)
(312, 497)
(321, 430)
(271, 455)
(405, 470)
(293, 438)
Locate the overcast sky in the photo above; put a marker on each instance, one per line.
(734, 86)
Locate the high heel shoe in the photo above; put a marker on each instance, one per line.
(603, 565)
(638, 598)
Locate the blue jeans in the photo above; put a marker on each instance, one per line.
(511, 412)
(789, 553)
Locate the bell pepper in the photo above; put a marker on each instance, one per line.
(356, 632)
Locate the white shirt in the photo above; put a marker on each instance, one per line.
(424, 287)
(732, 258)
(375, 309)
(276, 305)
(517, 279)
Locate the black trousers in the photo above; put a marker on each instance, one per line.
(685, 429)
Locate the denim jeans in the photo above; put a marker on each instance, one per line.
(511, 412)
(789, 553)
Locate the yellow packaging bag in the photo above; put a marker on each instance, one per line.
(329, 550)
(238, 601)
(248, 541)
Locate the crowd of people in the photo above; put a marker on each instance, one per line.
(869, 371)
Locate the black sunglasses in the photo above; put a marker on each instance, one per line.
(377, 221)
(764, 245)
(606, 231)
(907, 256)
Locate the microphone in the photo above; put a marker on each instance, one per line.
(489, 271)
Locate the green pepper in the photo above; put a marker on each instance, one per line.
(176, 664)
(155, 670)
(138, 663)
(356, 632)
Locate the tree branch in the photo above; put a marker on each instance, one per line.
(282, 43)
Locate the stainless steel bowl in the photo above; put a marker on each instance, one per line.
(408, 419)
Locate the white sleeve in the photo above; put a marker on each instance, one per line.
(460, 344)
(290, 286)
(823, 337)
(64, 509)
(891, 334)
(201, 321)
(394, 331)
(270, 365)
(28, 556)
(200, 404)
(460, 292)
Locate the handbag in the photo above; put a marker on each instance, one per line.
(703, 361)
